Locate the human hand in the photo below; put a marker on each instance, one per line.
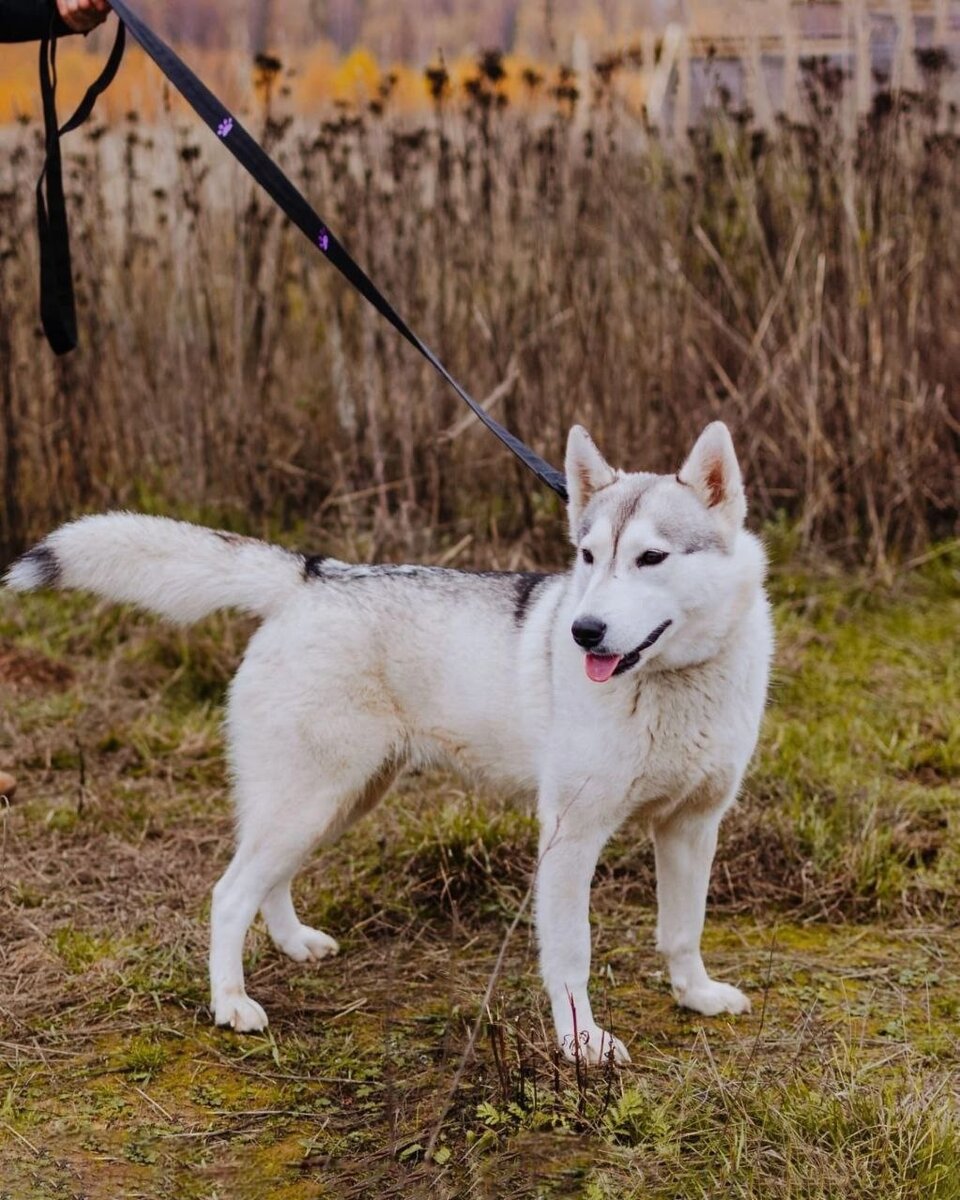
(83, 15)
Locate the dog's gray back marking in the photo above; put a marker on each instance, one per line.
(332, 570)
(525, 584)
(515, 590)
(313, 566)
(232, 539)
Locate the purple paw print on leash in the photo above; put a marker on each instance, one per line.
(323, 239)
(224, 127)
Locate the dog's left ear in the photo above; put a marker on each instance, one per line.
(587, 471)
(713, 472)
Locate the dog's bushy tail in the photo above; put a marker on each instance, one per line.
(180, 571)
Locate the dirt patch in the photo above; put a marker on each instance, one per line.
(26, 669)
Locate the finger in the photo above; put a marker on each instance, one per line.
(79, 15)
(82, 22)
(66, 9)
(98, 12)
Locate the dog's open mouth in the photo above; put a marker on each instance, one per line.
(601, 667)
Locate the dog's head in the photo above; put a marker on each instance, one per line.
(664, 565)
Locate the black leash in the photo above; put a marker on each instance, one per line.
(57, 305)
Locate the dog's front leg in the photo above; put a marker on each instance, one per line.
(568, 857)
(684, 847)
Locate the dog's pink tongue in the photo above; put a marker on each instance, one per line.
(601, 666)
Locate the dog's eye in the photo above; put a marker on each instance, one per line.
(587, 557)
(650, 558)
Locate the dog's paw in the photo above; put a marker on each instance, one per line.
(239, 1012)
(712, 998)
(595, 1046)
(309, 945)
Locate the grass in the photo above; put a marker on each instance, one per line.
(835, 903)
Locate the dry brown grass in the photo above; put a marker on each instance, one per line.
(803, 287)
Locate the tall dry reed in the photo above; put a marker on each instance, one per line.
(804, 286)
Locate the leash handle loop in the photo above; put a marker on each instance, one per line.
(58, 314)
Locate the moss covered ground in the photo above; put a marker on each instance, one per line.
(836, 904)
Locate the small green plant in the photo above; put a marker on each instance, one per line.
(142, 1059)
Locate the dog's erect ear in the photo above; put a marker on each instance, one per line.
(713, 472)
(587, 471)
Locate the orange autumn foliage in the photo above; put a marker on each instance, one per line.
(317, 77)
(139, 85)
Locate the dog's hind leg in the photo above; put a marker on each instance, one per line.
(289, 934)
(258, 865)
(288, 801)
(268, 854)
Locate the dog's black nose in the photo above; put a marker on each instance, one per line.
(588, 632)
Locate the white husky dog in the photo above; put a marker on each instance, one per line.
(633, 682)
